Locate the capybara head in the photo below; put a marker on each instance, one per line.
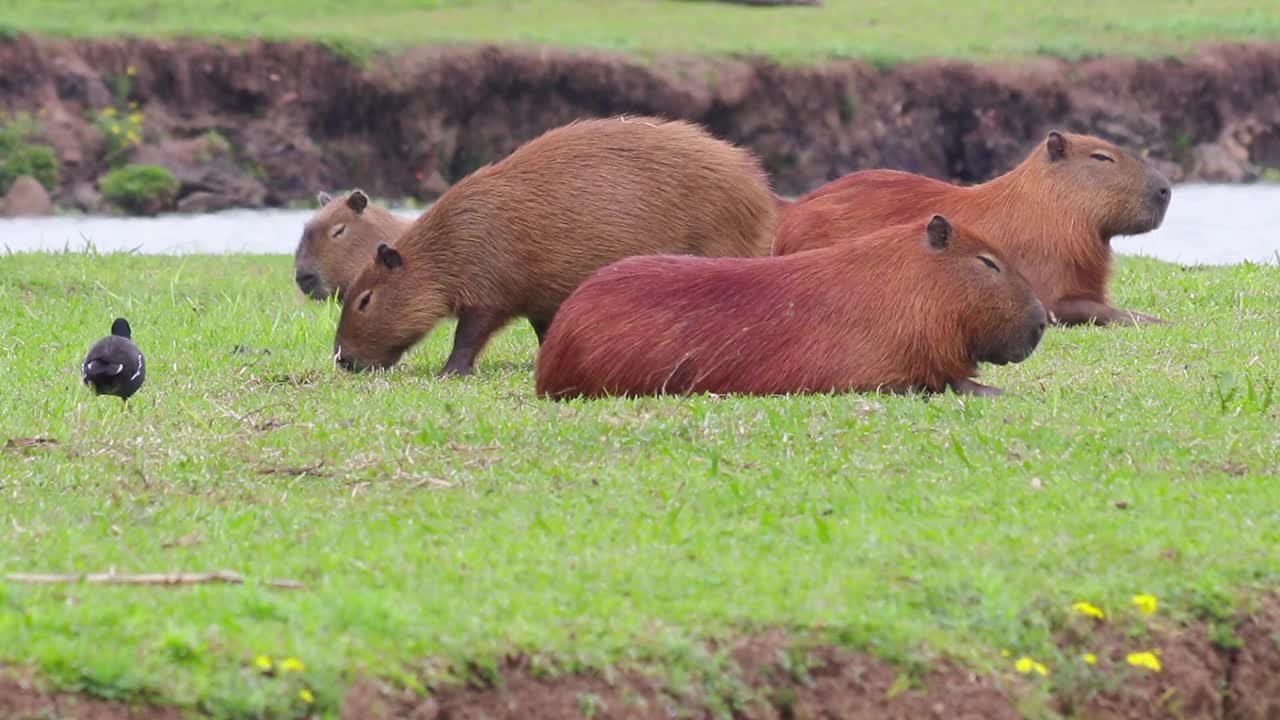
(1001, 317)
(337, 241)
(378, 322)
(1124, 194)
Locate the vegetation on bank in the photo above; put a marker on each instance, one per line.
(450, 521)
(883, 30)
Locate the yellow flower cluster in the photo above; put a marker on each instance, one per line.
(1091, 610)
(1147, 604)
(1148, 660)
(1026, 666)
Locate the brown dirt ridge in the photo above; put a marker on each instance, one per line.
(771, 677)
(298, 117)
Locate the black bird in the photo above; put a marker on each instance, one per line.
(114, 365)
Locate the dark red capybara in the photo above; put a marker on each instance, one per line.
(913, 307)
(1053, 216)
(514, 238)
(338, 241)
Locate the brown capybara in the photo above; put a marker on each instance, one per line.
(338, 241)
(1053, 216)
(913, 307)
(515, 238)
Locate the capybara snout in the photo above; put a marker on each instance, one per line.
(1021, 343)
(1159, 193)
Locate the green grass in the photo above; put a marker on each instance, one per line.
(884, 30)
(449, 521)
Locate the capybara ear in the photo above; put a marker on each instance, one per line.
(1057, 146)
(323, 198)
(938, 233)
(357, 201)
(389, 257)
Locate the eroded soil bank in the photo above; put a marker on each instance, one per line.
(249, 124)
(771, 678)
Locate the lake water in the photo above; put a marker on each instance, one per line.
(1206, 224)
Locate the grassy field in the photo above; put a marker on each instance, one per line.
(443, 521)
(885, 30)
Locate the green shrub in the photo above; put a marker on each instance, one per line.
(140, 189)
(19, 155)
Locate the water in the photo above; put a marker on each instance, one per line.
(1206, 225)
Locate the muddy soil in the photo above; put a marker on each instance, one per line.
(252, 124)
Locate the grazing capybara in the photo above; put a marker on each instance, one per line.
(913, 307)
(338, 241)
(1053, 216)
(513, 239)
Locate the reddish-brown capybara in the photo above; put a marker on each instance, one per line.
(513, 239)
(1053, 216)
(914, 307)
(338, 241)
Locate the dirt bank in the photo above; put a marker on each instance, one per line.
(259, 123)
(1235, 677)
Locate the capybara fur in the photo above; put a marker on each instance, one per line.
(911, 308)
(338, 241)
(1053, 216)
(513, 239)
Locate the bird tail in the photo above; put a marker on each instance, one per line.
(101, 368)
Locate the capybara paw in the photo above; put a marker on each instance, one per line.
(969, 387)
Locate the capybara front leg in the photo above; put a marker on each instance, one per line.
(540, 328)
(965, 386)
(475, 327)
(1083, 312)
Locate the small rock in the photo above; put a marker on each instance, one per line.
(1036, 483)
(26, 198)
(86, 197)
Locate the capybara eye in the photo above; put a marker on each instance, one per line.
(1103, 157)
(989, 262)
(364, 300)
(338, 230)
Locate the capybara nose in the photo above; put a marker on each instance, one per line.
(307, 282)
(1037, 332)
(1163, 194)
(345, 361)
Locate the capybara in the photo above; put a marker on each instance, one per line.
(1053, 216)
(514, 238)
(914, 307)
(338, 241)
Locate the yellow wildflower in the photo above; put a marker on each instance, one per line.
(133, 105)
(1147, 660)
(115, 129)
(1026, 666)
(1146, 603)
(1004, 653)
(109, 112)
(262, 662)
(1089, 609)
(132, 137)
(1090, 659)
(306, 696)
(135, 118)
(131, 71)
(291, 664)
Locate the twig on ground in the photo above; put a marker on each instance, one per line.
(112, 578)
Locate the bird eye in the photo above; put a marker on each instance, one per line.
(364, 300)
(989, 263)
(1102, 157)
(339, 230)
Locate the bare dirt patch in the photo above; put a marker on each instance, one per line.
(1204, 676)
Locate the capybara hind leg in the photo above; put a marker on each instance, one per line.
(540, 328)
(475, 327)
(965, 386)
(1083, 312)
